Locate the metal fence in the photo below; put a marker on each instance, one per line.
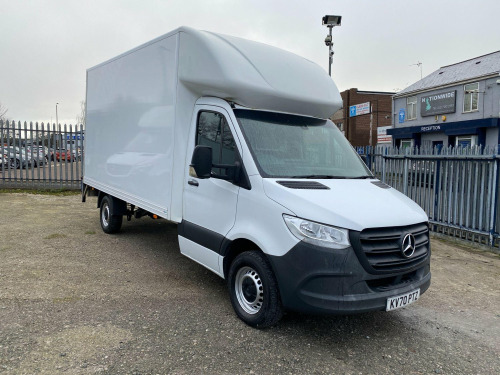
(456, 186)
(38, 155)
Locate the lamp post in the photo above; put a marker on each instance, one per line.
(330, 22)
(57, 118)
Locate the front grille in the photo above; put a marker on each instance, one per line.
(387, 283)
(379, 249)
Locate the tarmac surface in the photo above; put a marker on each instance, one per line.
(74, 300)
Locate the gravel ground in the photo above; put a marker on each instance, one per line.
(74, 300)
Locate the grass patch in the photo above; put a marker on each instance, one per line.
(55, 192)
(90, 232)
(55, 235)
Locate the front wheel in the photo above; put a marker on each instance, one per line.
(254, 290)
(110, 222)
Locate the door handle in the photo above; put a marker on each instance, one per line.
(193, 182)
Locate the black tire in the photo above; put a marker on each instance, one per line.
(254, 290)
(16, 164)
(110, 222)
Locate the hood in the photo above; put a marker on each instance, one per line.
(350, 203)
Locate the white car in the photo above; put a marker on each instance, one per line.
(40, 156)
(17, 157)
(4, 161)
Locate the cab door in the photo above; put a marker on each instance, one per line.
(209, 205)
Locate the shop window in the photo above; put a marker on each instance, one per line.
(466, 141)
(405, 143)
(471, 97)
(411, 107)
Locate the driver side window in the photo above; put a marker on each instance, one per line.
(213, 131)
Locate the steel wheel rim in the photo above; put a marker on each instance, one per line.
(105, 215)
(249, 290)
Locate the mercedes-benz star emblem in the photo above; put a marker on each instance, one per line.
(408, 245)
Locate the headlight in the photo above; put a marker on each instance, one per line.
(317, 234)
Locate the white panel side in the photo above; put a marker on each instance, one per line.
(260, 220)
(130, 123)
(206, 257)
(138, 201)
(185, 108)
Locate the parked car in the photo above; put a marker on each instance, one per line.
(52, 153)
(37, 156)
(16, 156)
(77, 154)
(32, 158)
(4, 161)
(43, 152)
(64, 155)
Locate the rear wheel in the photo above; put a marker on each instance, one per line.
(254, 290)
(110, 222)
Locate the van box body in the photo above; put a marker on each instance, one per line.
(285, 182)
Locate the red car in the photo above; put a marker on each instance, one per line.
(63, 155)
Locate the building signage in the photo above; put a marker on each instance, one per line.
(430, 128)
(402, 115)
(438, 104)
(382, 136)
(359, 109)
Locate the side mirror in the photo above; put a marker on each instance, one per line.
(202, 161)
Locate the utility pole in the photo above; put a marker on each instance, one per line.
(371, 124)
(330, 52)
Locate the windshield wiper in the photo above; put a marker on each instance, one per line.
(362, 177)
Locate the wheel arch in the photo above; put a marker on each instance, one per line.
(231, 249)
(119, 206)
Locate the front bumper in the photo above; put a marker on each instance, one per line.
(313, 279)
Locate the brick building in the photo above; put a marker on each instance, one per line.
(356, 127)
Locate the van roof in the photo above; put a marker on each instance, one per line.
(252, 74)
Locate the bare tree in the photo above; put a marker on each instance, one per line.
(3, 112)
(3, 118)
(80, 118)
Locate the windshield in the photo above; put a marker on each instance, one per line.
(293, 146)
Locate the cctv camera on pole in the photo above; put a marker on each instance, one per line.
(330, 22)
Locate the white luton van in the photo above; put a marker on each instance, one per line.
(231, 139)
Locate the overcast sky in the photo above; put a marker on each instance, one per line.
(46, 46)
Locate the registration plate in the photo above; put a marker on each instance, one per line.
(403, 300)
